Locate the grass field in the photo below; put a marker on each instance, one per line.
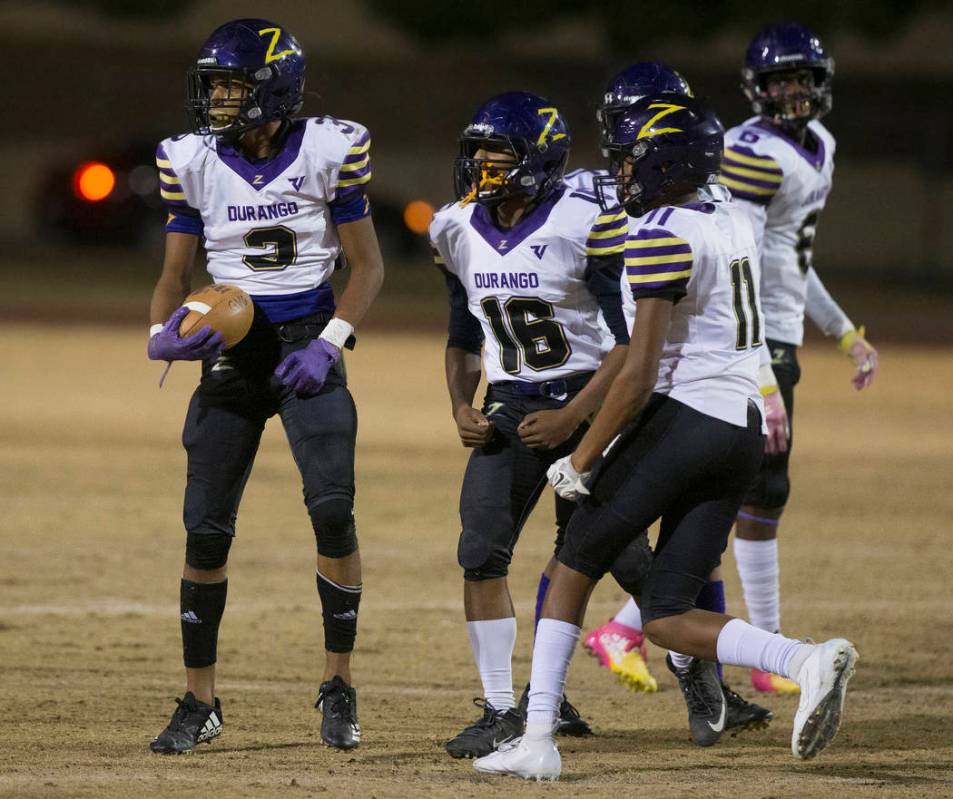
(91, 480)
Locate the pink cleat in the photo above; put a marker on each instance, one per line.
(622, 650)
(768, 683)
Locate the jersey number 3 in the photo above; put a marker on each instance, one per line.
(742, 294)
(536, 340)
(280, 240)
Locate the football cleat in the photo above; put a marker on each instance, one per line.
(497, 727)
(192, 723)
(569, 721)
(707, 709)
(743, 715)
(823, 679)
(622, 650)
(532, 759)
(337, 702)
(767, 683)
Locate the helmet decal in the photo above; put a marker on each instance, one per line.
(270, 54)
(648, 129)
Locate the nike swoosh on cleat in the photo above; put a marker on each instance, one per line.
(721, 722)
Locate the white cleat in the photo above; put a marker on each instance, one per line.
(823, 679)
(532, 759)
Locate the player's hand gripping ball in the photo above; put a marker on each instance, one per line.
(224, 308)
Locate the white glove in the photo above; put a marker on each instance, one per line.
(566, 481)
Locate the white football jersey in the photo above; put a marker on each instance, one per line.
(783, 187)
(527, 285)
(704, 253)
(268, 227)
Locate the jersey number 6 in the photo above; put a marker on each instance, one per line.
(536, 339)
(283, 244)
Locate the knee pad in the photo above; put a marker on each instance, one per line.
(483, 556)
(632, 566)
(333, 523)
(207, 551)
(770, 491)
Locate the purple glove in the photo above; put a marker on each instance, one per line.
(168, 345)
(306, 370)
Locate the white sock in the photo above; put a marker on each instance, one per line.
(758, 568)
(740, 644)
(679, 661)
(492, 641)
(629, 615)
(555, 642)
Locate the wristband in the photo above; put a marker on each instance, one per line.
(767, 382)
(337, 332)
(847, 340)
(155, 329)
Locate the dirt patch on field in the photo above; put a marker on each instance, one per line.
(91, 478)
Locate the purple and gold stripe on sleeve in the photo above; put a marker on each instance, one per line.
(356, 169)
(749, 176)
(607, 236)
(170, 187)
(656, 259)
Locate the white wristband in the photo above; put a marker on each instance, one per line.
(337, 332)
(155, 329)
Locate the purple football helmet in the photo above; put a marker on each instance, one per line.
(659, 148)
(633, 83)
(248, 72)
(795, 52)
(525, 127)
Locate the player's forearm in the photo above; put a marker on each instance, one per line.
(359, 242)
(463, 377)
(627, 395)
(823, 310)
(587, 401)
(175, 282)
(166, 297)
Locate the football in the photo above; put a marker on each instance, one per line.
(222, 307)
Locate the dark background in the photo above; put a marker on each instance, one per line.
(104, 79)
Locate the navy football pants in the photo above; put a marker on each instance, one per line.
(681, 466)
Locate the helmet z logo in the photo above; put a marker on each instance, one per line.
(271, 55)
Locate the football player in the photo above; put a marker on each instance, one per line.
(778, 165)
(619, 644)
(532, 269)
(683, 421)
(274, 199)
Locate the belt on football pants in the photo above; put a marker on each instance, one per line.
(307, 327)
(554, 389)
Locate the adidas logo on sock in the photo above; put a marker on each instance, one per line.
(190, 617)
(349, 616)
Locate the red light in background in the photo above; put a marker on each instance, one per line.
(93, 181)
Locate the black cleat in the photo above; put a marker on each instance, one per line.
(744, 715)
(192, 723)
(569, 722)
(707, 709)
(485, 736)
(337, 701)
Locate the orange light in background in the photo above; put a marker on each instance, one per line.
(93, 181)
(417, 216)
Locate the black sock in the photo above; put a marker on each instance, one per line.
(339, 605)
(202, 605)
